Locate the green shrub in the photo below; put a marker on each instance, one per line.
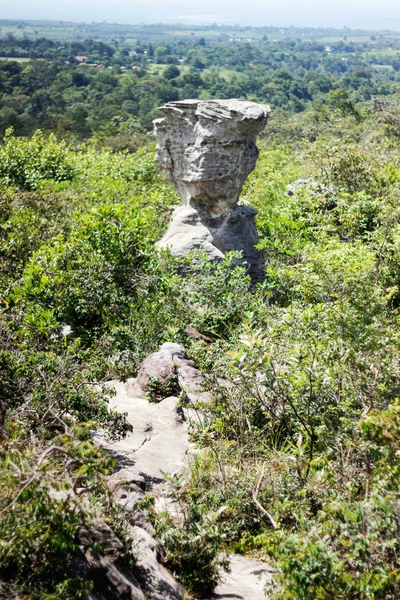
(158, 390)
(193, 552)
(26, 163)
(299, 446)
(350, 554)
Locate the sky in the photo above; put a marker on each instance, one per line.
(364, 14)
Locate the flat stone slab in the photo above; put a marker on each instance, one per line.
(159, 442)
(246, 581)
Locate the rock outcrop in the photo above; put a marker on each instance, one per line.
(159, 444)
(207, 149)
(111, 575)
(114, 578)
(169, 362)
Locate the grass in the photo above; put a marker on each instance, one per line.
(15, 58)
(158, 69)
(383, 67)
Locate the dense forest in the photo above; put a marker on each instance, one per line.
(303, 368)
(92, 89)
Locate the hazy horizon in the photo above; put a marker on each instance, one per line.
(360, 14)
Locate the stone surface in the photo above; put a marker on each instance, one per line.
(207, 149)
(311, 186)
(156, 581)
(171, 359)
(235, 229)
(99, 531)
(111, 576)
(188, 232)
(158, 444)
(292, 188)
(246, 581)
(128, 488)
(112, 581)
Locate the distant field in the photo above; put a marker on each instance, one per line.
(130, 34)
(348, 38)
(383, 67)
(16, 58)
(31, 32)
(383, 53)
(158, 69)
(223, 72)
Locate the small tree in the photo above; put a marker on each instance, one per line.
(171, 72)
(340, 100)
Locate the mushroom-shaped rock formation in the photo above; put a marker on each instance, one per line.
(207, 149)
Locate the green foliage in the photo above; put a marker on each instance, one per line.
(26, 163)
(349, 553)
(85, 297)
(305, 418)
(171, 72)
(110, 92)
(381, 428)
(158, 389)
(193, 551)
(81, 276)
(298, 452)
(347, 167)
(340, 100)
(40, 546)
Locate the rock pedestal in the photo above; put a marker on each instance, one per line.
(207, 149)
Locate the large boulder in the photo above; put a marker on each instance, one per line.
(111, 575)
(113, 578)
(207, 149)
(157, 582)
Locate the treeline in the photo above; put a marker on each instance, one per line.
(88, 89)
(158, 31)
(50, 49)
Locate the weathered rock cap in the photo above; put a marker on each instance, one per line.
(239, 116)
(208, 148)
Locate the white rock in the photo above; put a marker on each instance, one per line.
(246, 581)
(157, 582)
(162, 364)
(159, 442)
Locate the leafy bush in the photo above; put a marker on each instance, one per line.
(27, 163)
(351, 555)
(158, 390)
(301, 432)
(193, 551)
(40, 548)
(299, 446)
(346, 166)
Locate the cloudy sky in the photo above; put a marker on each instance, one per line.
(370, 14)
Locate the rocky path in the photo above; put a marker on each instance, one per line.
(159, 444)
(246, 581)
(159, 441)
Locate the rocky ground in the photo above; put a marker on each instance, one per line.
(158, 445)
